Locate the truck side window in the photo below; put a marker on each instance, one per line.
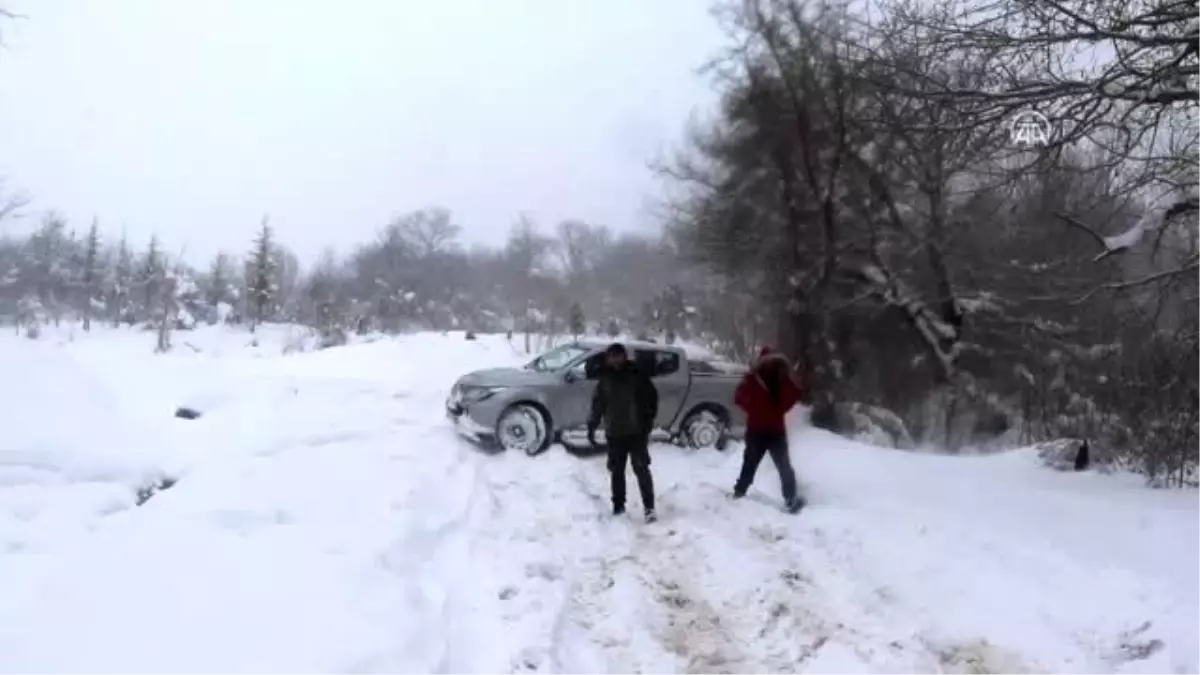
(591, 366)
(665, 363)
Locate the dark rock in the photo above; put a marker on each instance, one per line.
(1065, 454)
(471, 335)
(187, 413)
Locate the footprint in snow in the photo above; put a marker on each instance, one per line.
(543, 570)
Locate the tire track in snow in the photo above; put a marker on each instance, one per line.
(661, 575)
(819, 597)
(430, 561)
(537, 526)
(810, 601)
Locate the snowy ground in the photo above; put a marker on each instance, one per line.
(326, 519)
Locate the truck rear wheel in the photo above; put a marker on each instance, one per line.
(705, 428)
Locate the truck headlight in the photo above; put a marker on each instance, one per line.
(477, 394)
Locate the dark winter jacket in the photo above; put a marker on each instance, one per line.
(626, 400)
(767, 393)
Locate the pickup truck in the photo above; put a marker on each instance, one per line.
(549, 399)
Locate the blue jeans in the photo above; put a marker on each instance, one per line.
(758, 444)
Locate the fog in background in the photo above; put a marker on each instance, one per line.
(193, 119)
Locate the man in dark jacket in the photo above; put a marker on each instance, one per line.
(766, 394)
(627, 401)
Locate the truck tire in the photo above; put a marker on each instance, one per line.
(705, 428)
(525, 428)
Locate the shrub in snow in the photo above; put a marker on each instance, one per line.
(33, 331)
(187, 413)
(470, 335)
(871, 424)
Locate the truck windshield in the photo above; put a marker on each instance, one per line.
(556, 358)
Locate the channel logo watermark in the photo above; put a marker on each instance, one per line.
(1030, 129)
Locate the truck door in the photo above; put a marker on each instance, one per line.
(575, 402)
(670, 379)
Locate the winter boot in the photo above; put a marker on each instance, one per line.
(795, 505)
(618, 509)
(651, 517)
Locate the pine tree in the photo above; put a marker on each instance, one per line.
(48, 256)
(122, 283)
(72, 273)
(219, 288)
(261, 289)
(671, 312)
(649, 318)
(91, 273)
(150, 277)
(578, 323)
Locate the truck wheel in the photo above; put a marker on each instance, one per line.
(523, 427)
(705, 428)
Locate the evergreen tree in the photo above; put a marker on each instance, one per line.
(48, 258)
(73, 266)
(219, 288)
(122, 283)
(578, 324)
(91, 273)
(649, 318)
(261, 287)
(613, 329)
(150, 278)
(671, 312)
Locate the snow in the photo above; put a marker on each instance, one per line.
(1127, 239)
(327, 519)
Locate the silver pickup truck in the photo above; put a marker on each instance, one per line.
(548, 400)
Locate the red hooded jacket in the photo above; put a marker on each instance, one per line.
(763, 413)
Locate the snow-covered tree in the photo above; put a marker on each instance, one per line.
(220, 288)
(577, 321)
(91, 274)
(262, 284)
(48, 267)
(120, 293)
(149, 279)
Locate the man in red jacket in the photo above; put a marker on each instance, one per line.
(766, 394)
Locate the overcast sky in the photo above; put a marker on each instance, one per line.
(192, 119)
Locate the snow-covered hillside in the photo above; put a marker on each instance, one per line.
(326, 518)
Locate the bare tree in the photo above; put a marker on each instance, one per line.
(11, 203)
(527, 256)
(1120, 75)
(428, 231)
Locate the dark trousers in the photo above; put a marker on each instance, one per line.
(758, 444)
(634, 450)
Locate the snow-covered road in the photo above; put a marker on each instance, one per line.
(326, 519)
